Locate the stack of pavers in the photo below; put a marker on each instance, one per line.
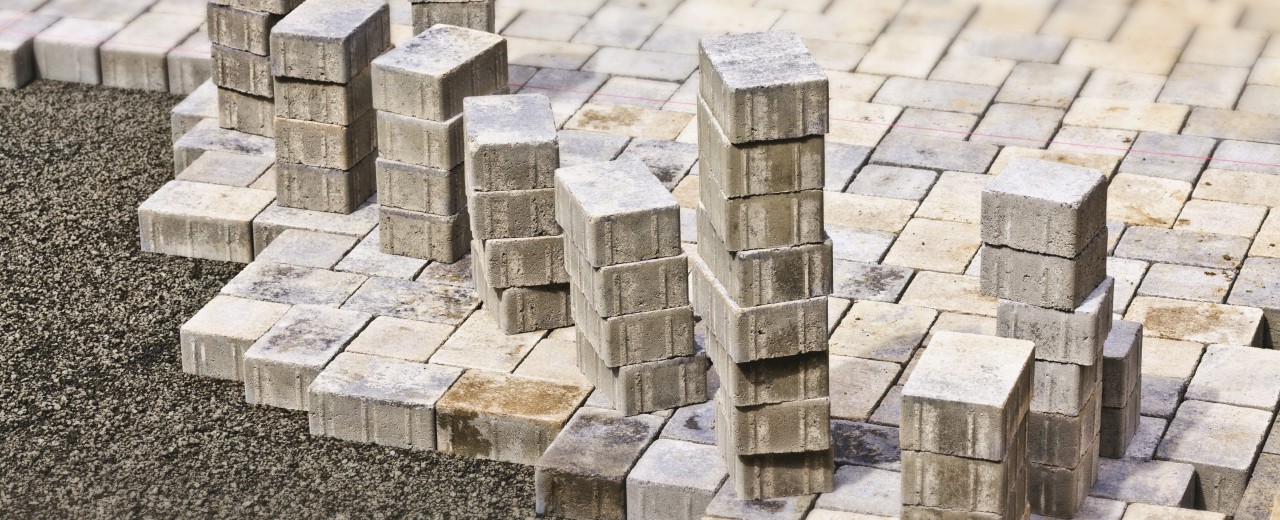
(1045, 234)
(1121, 388)
(240, 31)
(764, 263)
(418, 92)
(629, 281)
(964, 426)
(517, 254)
(472, 14)
(326, 133)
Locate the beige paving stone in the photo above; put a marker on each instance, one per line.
(1260, 99)
(543, 53)
(935, 95)
(1126, 56)
(1043, 85)
(1204, 85)
(1266, 71)
(1225, 46)
(1267, 243)
(544, 25)
(631, 121)
(1196, 321)
(1101, 141)
(1155, 28)
(1146, 201)
(949, 292)
(1128, 274)
(1092, 19)
(1221, 217)
(935, 245)
(480, 344)
(1231, 124)
(956, 197)
(979, 70)
(1170, 358)
(1240, 187)
(849, 29)
(860, 124)
(1018, 125)
(1104, 163)
(398, 338)
(866, 212)
(852, 86)
(832, 55)
(881, 331)
(836, 309)
(477, 418)
(553, 360)
(955, 322)
(903, 54)
(215, 339)
(1016, 46)
(857, 385)
(1126, 115)
(724, 16)
(643, 64)
(622, 90)
(1124, 86)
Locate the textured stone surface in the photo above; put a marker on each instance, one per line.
(474, 14)
(524, 309)
(1222, 442)
(574, 480)
(330, 40)
(1224, 367)
(1066, 203)
(475, 419)
(597, 204)
(761, 332)
(325, 189)
(646, 387)
(280, 366)
(771, 380)
(423, 235)
(296, 285)
(764, 276)
(201, 220)
(1042, 280)
(428, 76)
(1152, 482)
(758, 168)
(955, 483)
(215, 339)
(674, 480)
(1062, 337)
(763, 87)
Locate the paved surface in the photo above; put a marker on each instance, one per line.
(97, 419)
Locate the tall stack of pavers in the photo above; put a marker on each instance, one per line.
(472, 14)
(418, 92)
(240, 31)
(629, 283)
(326, 133)
(764, 264)
(963, 429)
(517, 254)
(1045, 235)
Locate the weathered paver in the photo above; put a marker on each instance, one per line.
(1222, 442)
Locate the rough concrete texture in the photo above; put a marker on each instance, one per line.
(423, 235)
(328, 190)
(969, 485)
(1043, 280)
(215, 339)
(471, 14)
(764, 276)
(330, 40)
(763, 86)
(332, 103)
(280, 366)
(583, 474)
(597, 203)
(475, 419)
(1060, 336)
(674, 480)
(775, 380)
(646, 387)
(786, 427)
(764, 221)
(620, 289)
(1044, 207)
(635, 338)
(183, 218)
(428, 76)
(761, 332)
(1222, 442)
(758, 168)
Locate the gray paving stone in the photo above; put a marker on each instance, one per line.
(935, 95)
(479, 344)
(241, 71)
(201, 104)
(17, 54)
(842, 162)
(225, 168)
(207, 136)
(858, 384)
(280, 366)
(934, 153)
(744, 72)
(638, 337)
(574, 480)
(429, 76)
(1183, 247)
(764, 276)
(883, 331)
(619, 289)
(889, 413)
(1041, 48)
(1222, 442)
(1264, 484)
(1256, 286)
(1187, 282)
(694, 423)
(1018, 125)
(1204, 85)
(457, 273)
(476, 418)
(1171, 156)
(1059, 492)
(1069, 201)
(378, 400)
(595, 202)
(1245, 156)
(931, 480)
(757, 168)
(646, 387)
(1063, 337)
(579, 147)
(201, 220)
(297, 285)
(332, 103)
(1064, 388)
(326, 146)
(513, 214)
(324, 189)
(892, 182)
(215, 339)
(762, 332)
(1152, 482)
(869, 281)
(1233, 125)
(728, 506)
(269, 6)
(1095, 508)
(423, 235)
(277, 219)
(524, 309)
(67, 50)
(307, 249)
(867, 491)
(471, 14)
(674, 480)
(1161, 394)
(1059, 283)
(859, 245)
(241, 29)
(420, 188)
(395, 338)
(1061, 440)
(1146, 439)
(937, 123)
(567, 89)
(868, 445)
(134, 57)
(330, 40)
(1150, 512)
(764, 221)
(968, 379)
(1119, 425)
(778, 474)
(189, 63)
(1121, 363)
(410, 300)
(785, 427)
(669, 161)
(1224, 368)
(510, 143)
(1043, 85)
(769, 381)
(245, 113)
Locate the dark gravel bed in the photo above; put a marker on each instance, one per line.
(97, 418)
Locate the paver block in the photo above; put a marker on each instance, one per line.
(1119, 425)
(372, 399)
(674, 480)
(332, 103)
(67, 50)
(206, 136)
(473, 14)
(189, 63)
(777, 475)
(1044, 207)
(635, 338)
(428, 76)
(870, 445)
(280, 366)
(308, 248)
(646, 387)
(1256, 286)
(420, 141)
(761, 332)
(241, 71)
(477, 418)
(694, 423)
(134, 58)
(524, 309)
(1064, 388)
(1239, 376)
(330, 190)
(17, 53)
(1095, 508)
(480, 344)
(1061, 440)
(584, 472)
(764, 221)
(786, 427)
(1259, 502)
(863, 491)
(411, 300)
(283, 283)
(1153, 512)
(964, 484)
(1200, 322)
(1059, 492)
(511, 143)
(763, 86)
(1175, 246)
(615, 290)
(201, 220)
(764, 276)
(758, 168)
(917, 150)
(1062, 337)
(1151, 482)
(883, 331)
(777, 380)
(241, 29)
(1146, 438)
(420, 188)
(199, 105)
(523, 262)
(423, 235)
(215, 339)
(513, 214)
(981, 381)
(1222, 442)
(277, 219)
(603, 206)
(245, 113)
(324, 145)
(728, 505)
(268, 6)
(398, 338)
(330, 40)
(1043, 280)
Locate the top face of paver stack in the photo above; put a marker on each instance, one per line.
(330, 40)
(511, 120)
(612, 188)
(428, 76)
(1044, 207)
(764, 86)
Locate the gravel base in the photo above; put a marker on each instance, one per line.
(97, 418)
